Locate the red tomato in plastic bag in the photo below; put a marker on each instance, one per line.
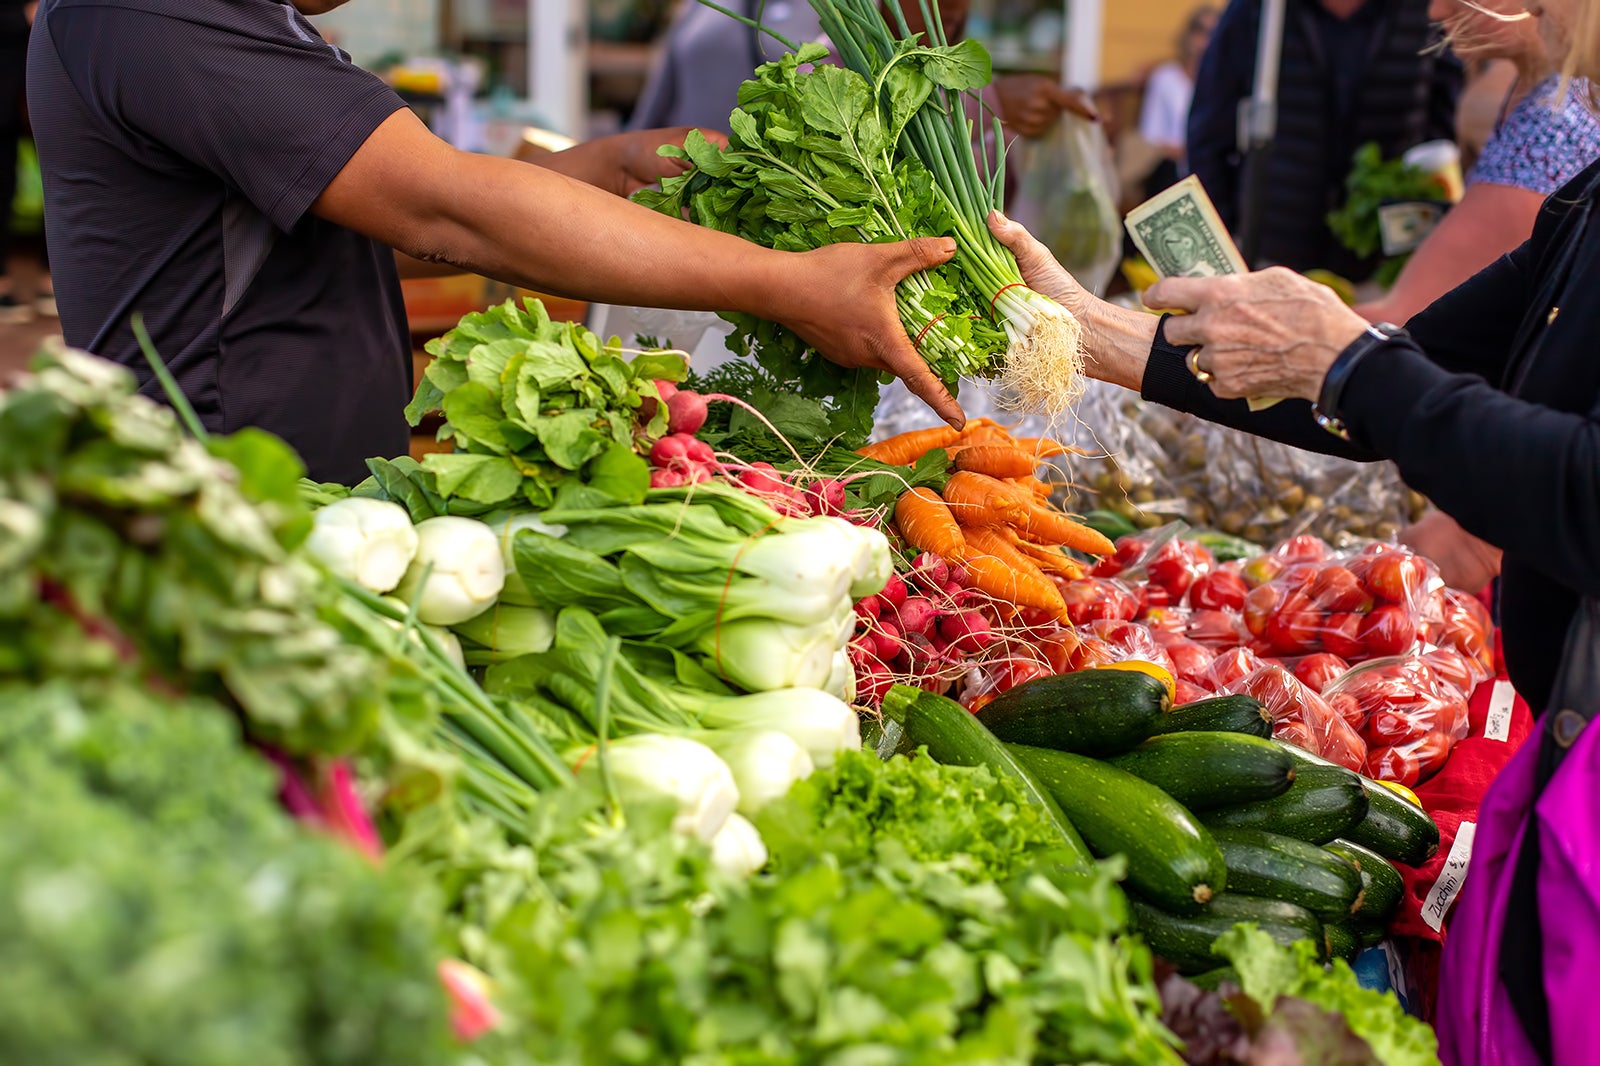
(1220, 590)
(1432, 754)
(1090, 598)
(1336, 589)
(1153, 597)
(1232, 666)
(1013, 672)
(1175, 567)
(1341, 635)
(1213, 627)
(1454, 668)
(1388, 630)
(1318, 671)
(1189, 660)
(1389, 727)
(1167, 622)
(1302, 549)
(1348, 708)
(1396, 576)
(1295, 628)
(1392, 764)
(1187, 692)
(1259, 607)
(1294, 731)
(1342, 744)
(1058, 648)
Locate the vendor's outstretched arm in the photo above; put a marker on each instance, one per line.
(533, 227)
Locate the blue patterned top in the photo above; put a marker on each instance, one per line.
(1544, 142)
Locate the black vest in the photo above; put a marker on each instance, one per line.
(1311, 155)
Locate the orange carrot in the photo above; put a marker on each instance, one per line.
(996, 460)
(1044, 526)
(1045, 448)
(903, 449)
(1026, 588)
(1032, 485)
(980, 500)
(927, 524)
(1051, 560)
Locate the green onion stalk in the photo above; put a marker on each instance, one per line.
(1044, 363)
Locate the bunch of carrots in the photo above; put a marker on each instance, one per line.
(994, 517)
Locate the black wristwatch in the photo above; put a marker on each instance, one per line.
(1326, 409)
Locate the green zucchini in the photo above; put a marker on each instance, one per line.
(1370, 934)
(1225, 547)
(1279, 867)
(1340, 941)
(954, 737)
(1204, 771)
(1212, 980)
(1186, 940)
(1172, 860)
(1221, 714)
(1111, 525)
(1091, 712)
(1382, 886)
(1394, 827)
(1323, 803)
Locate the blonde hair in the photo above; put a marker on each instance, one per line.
(1583, 53)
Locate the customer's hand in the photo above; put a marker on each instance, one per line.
(1031, 103)
(1464, 561)
(1040, 269)
(1270, 333)
(843, 303)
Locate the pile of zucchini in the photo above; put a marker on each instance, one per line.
(1218, 822)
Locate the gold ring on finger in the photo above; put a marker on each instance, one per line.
(1192, 360)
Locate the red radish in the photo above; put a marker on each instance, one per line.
(885, 637)
(825, 496)
(894, 592)
(698, 451)
(666, 479)
(762, 477)
(686, 411)
(667, 389)
(697, 474)
(967, 631)
(958, 577)
(873, 681)
(670, 451)
(917, 615)
(930, 573)
(869, 609)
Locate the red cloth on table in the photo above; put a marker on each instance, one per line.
(1500, 722)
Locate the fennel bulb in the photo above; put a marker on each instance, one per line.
(370, 542)
(458, 571)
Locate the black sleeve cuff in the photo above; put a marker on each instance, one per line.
(1167, 380)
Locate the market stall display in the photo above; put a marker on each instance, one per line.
(662, 718)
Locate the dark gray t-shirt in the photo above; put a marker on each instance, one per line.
(182, 143)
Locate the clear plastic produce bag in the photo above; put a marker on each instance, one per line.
(1068, 198)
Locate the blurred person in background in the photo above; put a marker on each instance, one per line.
(707, 55)
(1164, 113)
(1545, 136)
(15, 18)
(1353, 71)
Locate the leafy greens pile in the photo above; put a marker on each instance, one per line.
(1373, 182)
(535, 406)
(907, 918)
(159, 907)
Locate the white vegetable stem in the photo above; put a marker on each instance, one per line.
(649, 766)
(738, 849)
(759, 654)
(458, 571)
(822, 724)
(370, 542)
(765, 764)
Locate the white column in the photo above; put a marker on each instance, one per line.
(558, 81)
(1083, 43)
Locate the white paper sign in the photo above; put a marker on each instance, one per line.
(1497, 723)
(1451, 878)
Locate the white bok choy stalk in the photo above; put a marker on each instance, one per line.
(765, 763)
(650, 766)
(821, 724)
(458, 571)
(737, 849)
(759, 654)
(370, 542)
(504, 632)
(842, 678)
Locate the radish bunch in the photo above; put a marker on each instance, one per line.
(921, 627)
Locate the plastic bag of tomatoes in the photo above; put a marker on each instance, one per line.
(1372, 604)
(1409, 716)
(1159, 566)
(1300, 715)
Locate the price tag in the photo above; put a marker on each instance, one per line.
(1451, 878)
(1497, 722)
